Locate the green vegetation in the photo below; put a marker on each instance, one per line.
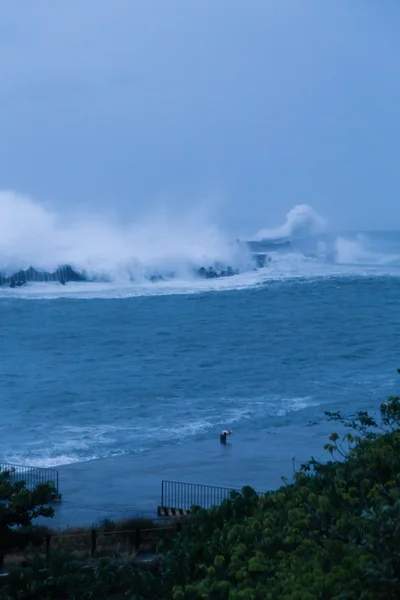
(332, 534)
(18, 507)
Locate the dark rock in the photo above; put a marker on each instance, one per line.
(62, 274)
(216, 272)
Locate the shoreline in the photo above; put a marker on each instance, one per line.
(129, 486)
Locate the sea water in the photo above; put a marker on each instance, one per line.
(121, 385)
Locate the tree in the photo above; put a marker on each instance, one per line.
(18, 507)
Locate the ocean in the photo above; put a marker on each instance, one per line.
(122, 384)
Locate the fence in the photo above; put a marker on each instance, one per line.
(31, 475)
(176, 494)
(99, 543)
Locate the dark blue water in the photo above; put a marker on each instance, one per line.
(94, 378)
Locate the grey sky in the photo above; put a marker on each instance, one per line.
(249, 106)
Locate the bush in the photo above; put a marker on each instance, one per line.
(333, 534)
(18, 507)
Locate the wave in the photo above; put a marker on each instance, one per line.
(83, 443)
(40, 246)
(364, 249)
(37, 244)
(302, 221)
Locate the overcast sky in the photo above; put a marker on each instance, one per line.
(251, 106)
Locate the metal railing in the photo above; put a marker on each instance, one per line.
(177, 494)
(32, 476)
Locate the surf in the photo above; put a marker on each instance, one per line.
(189, 252)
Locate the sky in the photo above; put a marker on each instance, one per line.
(245, 107)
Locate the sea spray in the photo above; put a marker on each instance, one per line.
(163, 248)
(31, 235)
(301, 221)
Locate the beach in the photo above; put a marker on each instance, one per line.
(127, 486)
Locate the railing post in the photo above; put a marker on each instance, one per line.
(47, 542)
(137, 539)
(132, 539)
(93, 542)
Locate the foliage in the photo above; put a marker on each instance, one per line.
(18, 507)
(125, 524)
(63, 579)
(332, 534)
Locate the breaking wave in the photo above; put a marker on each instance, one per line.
(81, 443)
(170, 255)
(101, 249)
(302, 221)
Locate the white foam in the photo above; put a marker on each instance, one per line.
(192, 428)
(31, 234)
(82, 443)
(358, 251)
(301, 221)
(282, 268)
(46, 462)
(295, 404)
(115, 290)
